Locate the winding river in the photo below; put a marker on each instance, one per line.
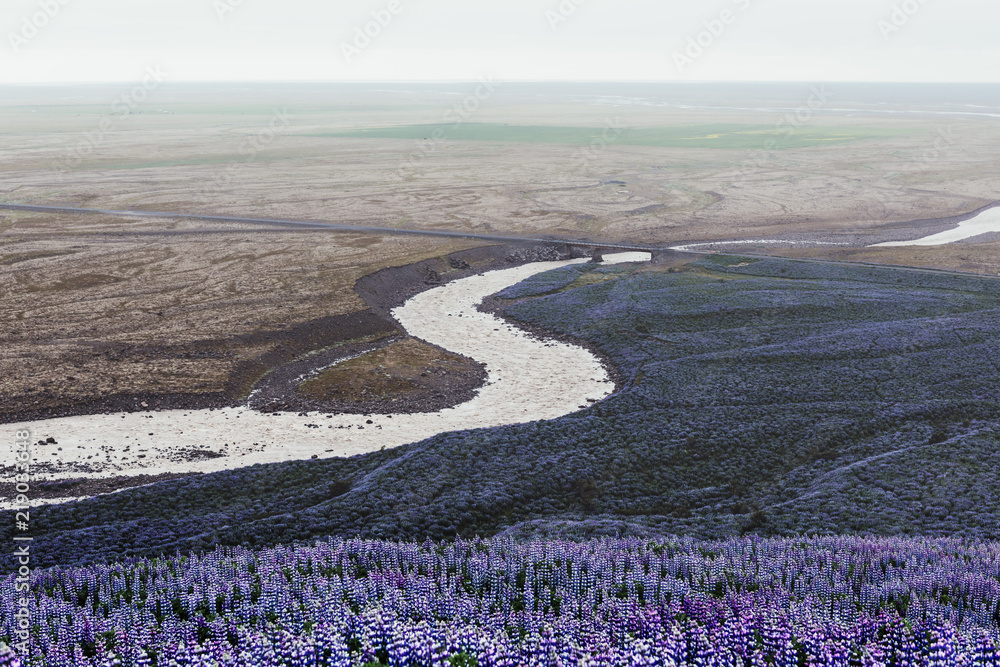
(529, 379)
(986, 222)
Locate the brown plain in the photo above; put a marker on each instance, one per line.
(98, 306)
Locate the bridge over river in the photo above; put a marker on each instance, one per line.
(599, 247)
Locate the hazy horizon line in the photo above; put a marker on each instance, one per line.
(513, 81)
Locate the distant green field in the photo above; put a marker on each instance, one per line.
(679, 136)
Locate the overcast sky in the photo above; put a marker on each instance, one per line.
(593, 40)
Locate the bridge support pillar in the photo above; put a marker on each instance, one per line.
(576, 251)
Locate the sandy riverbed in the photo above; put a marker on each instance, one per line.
(985, 223)
(529, 380)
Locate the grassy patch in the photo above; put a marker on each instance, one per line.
(394, 371)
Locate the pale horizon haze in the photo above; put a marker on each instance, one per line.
(78, 41)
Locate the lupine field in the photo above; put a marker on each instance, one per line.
(761, 401)
(743, 602)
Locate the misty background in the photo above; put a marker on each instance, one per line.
(526, 40)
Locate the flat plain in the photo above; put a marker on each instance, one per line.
(101, 311)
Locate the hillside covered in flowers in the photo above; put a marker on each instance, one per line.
(741, 603)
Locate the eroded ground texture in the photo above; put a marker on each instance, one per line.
(103, 314)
